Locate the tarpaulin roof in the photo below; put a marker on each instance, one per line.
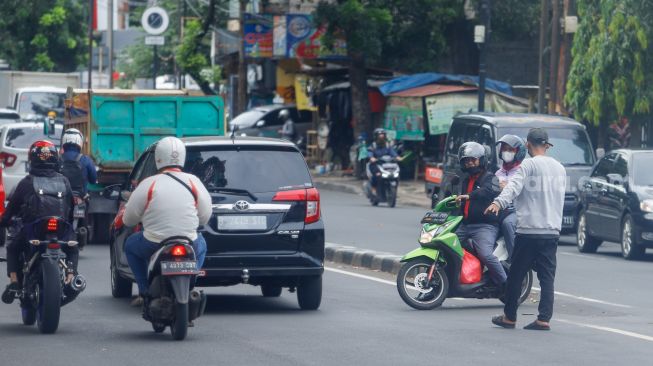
(433, 89)
(412, 81)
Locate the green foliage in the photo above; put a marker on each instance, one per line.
(514, 20)
(609, 75)
(44, 35)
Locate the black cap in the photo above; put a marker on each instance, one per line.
(538, 136)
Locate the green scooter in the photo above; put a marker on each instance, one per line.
(443, 268)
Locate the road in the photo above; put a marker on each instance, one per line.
(602, 315)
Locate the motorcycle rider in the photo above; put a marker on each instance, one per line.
(512, 151)
(287, 131)
(77, 167)
(478, 190)
(43, 184)
(170, 203)
(378, 149)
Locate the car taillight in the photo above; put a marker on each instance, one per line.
(52, 225)
(312, 198)
(7, 159)
(178, 251)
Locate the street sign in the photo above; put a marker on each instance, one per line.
(155, 40)
(155, 20)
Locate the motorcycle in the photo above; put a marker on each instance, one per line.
(79, 219)
(44, 272)
(172, 301)
(442, 268)
(387, 182)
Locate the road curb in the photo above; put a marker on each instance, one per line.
(335, 186)
(364, 258)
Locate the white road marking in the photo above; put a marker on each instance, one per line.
(583, 256)
(608, 329)
(360, 276)
(588, 299)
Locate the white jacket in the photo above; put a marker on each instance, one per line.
(166, 208)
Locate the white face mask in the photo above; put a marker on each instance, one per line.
(507, 156)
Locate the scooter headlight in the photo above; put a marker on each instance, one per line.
(385, 175)
(395, 174)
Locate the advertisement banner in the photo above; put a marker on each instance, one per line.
(404, 118)
(258, 33)
(304, 40)
(279, 36)
(304, 101)
(440, 109)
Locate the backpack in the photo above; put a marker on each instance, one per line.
(48, 199)
(73, 170)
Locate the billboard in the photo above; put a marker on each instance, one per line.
(404, 118)
(258, 31)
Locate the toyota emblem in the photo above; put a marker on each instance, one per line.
(241, 206)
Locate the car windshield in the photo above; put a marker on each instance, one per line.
(252, 169)
(247, 119)
(40, 103)
(23, 137)
(570, 145)
(643, 175)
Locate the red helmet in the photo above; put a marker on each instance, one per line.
(43, 155)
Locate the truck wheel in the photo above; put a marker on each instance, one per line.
(309, 292)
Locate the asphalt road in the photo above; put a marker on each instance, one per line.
(602, 316)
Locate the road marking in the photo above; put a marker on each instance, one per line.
(360, 276)
(583, 256)
(608, 329)
(588, 299)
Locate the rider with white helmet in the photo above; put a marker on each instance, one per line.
(77, 167)
(162, 217)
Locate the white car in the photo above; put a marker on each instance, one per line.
(16, 138)
(8, 116)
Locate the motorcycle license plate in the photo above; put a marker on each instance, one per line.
(435, 218)
(179, 268)
(79, 211)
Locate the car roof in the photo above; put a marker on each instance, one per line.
(631, 151)
(271, 107)
(521, 119)
(9, 111)
(45, 89)
(238, 140)
(27, 124)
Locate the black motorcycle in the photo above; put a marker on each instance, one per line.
(387, 181)
(44, 272)
(172, 301)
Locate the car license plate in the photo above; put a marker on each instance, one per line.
(179, 268)
(79, 211)
(242, 222)
(568, 220)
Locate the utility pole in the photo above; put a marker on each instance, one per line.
(542, 84)
(110, 41)
(242, 66)
(90, 42)
(554, 56)
(481, 37)
(155, 66)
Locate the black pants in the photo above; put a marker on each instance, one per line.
(19, 245)
(541, 251)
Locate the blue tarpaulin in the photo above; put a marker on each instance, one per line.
(412, 81)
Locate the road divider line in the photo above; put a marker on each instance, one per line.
(379, 280)
(608, 329)
(587, 299)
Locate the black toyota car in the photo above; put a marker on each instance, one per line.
(617, 203)
(266, 229)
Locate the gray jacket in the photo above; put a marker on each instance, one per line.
(538, 194)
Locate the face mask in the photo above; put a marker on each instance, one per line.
(507, 156)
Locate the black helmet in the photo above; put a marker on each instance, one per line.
(473, 150)
(43, 155)
(515, 142)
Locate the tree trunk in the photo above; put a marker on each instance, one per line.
(206, 27)
(360, 104)
(241, 105)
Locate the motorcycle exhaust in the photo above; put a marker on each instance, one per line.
(195, 302)
(78, 283)
(73, 289)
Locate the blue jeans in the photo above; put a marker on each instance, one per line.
(483, 238)
(508, 228)
(139, 251)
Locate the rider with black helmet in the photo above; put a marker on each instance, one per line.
(43, 184)
(512, 151)
(378, 149)
(479, 189)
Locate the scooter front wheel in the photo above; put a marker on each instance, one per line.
(415, 288)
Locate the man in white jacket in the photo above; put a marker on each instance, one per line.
(171, 203)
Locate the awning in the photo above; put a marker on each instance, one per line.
(433, 89)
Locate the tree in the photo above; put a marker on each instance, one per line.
(610, 73)
(44, 35)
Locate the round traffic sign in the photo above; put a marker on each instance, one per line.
(155, 20)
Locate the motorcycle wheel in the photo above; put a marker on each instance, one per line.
(179, 326)
(391, 195)
(48, 298)
(526, 286)
(412, 286)
(28, 314)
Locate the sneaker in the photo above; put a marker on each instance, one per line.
(10, 292)
(137, 301)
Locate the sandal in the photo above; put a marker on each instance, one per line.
(499, 320)
(537, 326)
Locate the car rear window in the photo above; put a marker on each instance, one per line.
(249, 168)
(570, 145)
(23, 137)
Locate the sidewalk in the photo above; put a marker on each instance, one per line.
(410, 192)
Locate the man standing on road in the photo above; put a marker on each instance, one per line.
(538, 194)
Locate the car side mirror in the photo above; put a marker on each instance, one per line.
(615, 179)
(260, 123)
(112, 192)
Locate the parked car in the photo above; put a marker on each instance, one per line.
(264, 121)
(617, 203)
(266, 228)
(572, 148)
(16, 139)
(8, 116)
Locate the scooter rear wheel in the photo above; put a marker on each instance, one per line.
(414, 289)
(526, 286)
(179, 327)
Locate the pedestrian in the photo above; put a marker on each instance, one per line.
(537, 191)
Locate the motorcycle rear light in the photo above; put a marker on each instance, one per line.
(7, 159)
(54, 246)
(52, 225)
(312, 198)
(178, 251)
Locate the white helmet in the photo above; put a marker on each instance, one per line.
(169, 152)
(73, 136)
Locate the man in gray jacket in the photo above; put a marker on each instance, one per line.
(538, 193)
